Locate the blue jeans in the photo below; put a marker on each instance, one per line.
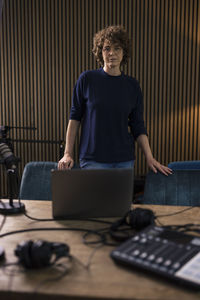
(90, 164)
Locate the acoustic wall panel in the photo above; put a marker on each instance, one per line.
(46, 44)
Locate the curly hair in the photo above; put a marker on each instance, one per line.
(115, 35)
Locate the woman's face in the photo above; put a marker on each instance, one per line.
(112, 54)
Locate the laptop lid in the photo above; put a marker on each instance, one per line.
(87, 193)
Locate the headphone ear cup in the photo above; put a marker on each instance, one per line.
(140, 218)
(40, 254)
(23, 253)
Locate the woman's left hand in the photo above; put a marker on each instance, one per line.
(155, 166)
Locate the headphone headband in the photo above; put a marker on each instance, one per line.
(137, 219)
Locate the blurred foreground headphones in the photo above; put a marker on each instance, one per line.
(38, 254)
(137, 219)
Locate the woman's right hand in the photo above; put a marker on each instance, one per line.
(66, 162)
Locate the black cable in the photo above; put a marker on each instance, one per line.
(4, 216)
(81, 219)
(52, 279)
(87, 265)
(51, 229)
(176, 213)
(101, 240)
(159, 223)
(88, 231)
(15, 272)
(68, 219)
(37, 219)
(3, 222)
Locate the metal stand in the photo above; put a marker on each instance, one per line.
(8, 208)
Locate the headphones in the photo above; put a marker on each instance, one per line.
(137, 219)
(38, 254)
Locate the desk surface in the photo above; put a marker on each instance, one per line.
(102, 280)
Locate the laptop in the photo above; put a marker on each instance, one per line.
(79, 193)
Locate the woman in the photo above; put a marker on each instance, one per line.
(108, 104)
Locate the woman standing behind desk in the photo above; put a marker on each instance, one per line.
(108, 104)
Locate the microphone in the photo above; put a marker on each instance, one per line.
(10, 162)
(7, 156)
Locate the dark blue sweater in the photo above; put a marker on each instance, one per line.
(106, 106)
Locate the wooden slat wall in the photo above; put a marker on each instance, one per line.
(46, 44)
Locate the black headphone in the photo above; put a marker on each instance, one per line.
(137, 219)
(38, 254)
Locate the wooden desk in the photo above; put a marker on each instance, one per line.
(103, 280)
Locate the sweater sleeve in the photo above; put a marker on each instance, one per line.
(136, 120)
(78, 100)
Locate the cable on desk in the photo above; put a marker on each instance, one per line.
(68, 219)
(55, 278)
(176, 213)
(4, 216)
(87, 231)
(55, 265)
(52, 229)
(101, 240)
(87, 265)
